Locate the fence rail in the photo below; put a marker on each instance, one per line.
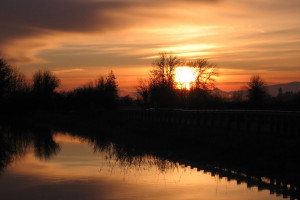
(280, 123)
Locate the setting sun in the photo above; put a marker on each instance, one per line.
(184, 77)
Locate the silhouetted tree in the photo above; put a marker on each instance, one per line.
(5, 76)
(106, 89)
(279, 95)
(161, 81)
(143, 90)
(164, 69)
(111, 89)
(256, 90)
(83, 97)
(205, 73)
(199, 95)
(102, 93)
(161, 86)
(11, 80)
(44, 83)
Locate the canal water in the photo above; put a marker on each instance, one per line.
(60, 165)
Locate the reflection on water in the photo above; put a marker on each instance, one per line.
(14, 144)
(43, 165)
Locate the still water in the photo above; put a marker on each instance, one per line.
(63, 166)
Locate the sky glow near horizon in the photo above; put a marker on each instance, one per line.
(81, 40)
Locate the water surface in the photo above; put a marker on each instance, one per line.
(58, 165)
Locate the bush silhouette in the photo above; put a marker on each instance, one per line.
(257, 93)
(11, 80)
(44, 83)
(102, 93)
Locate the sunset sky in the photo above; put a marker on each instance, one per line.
(82, 39)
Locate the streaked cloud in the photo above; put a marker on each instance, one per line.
(68, 70)
(245, 35)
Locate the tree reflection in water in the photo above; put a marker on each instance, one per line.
(14, 144)
(136, 154)
(128, 162)
(44, 145)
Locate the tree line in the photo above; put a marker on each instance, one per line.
(17, 93)
(159, 90)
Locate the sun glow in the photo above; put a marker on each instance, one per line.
(185, 77)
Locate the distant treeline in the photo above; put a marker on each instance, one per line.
(158, 91)
(16, 93)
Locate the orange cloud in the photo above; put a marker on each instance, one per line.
(259, 36)
(68, 70)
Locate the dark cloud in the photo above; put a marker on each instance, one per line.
(30, 17)
(61, 15)
(35, 19)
